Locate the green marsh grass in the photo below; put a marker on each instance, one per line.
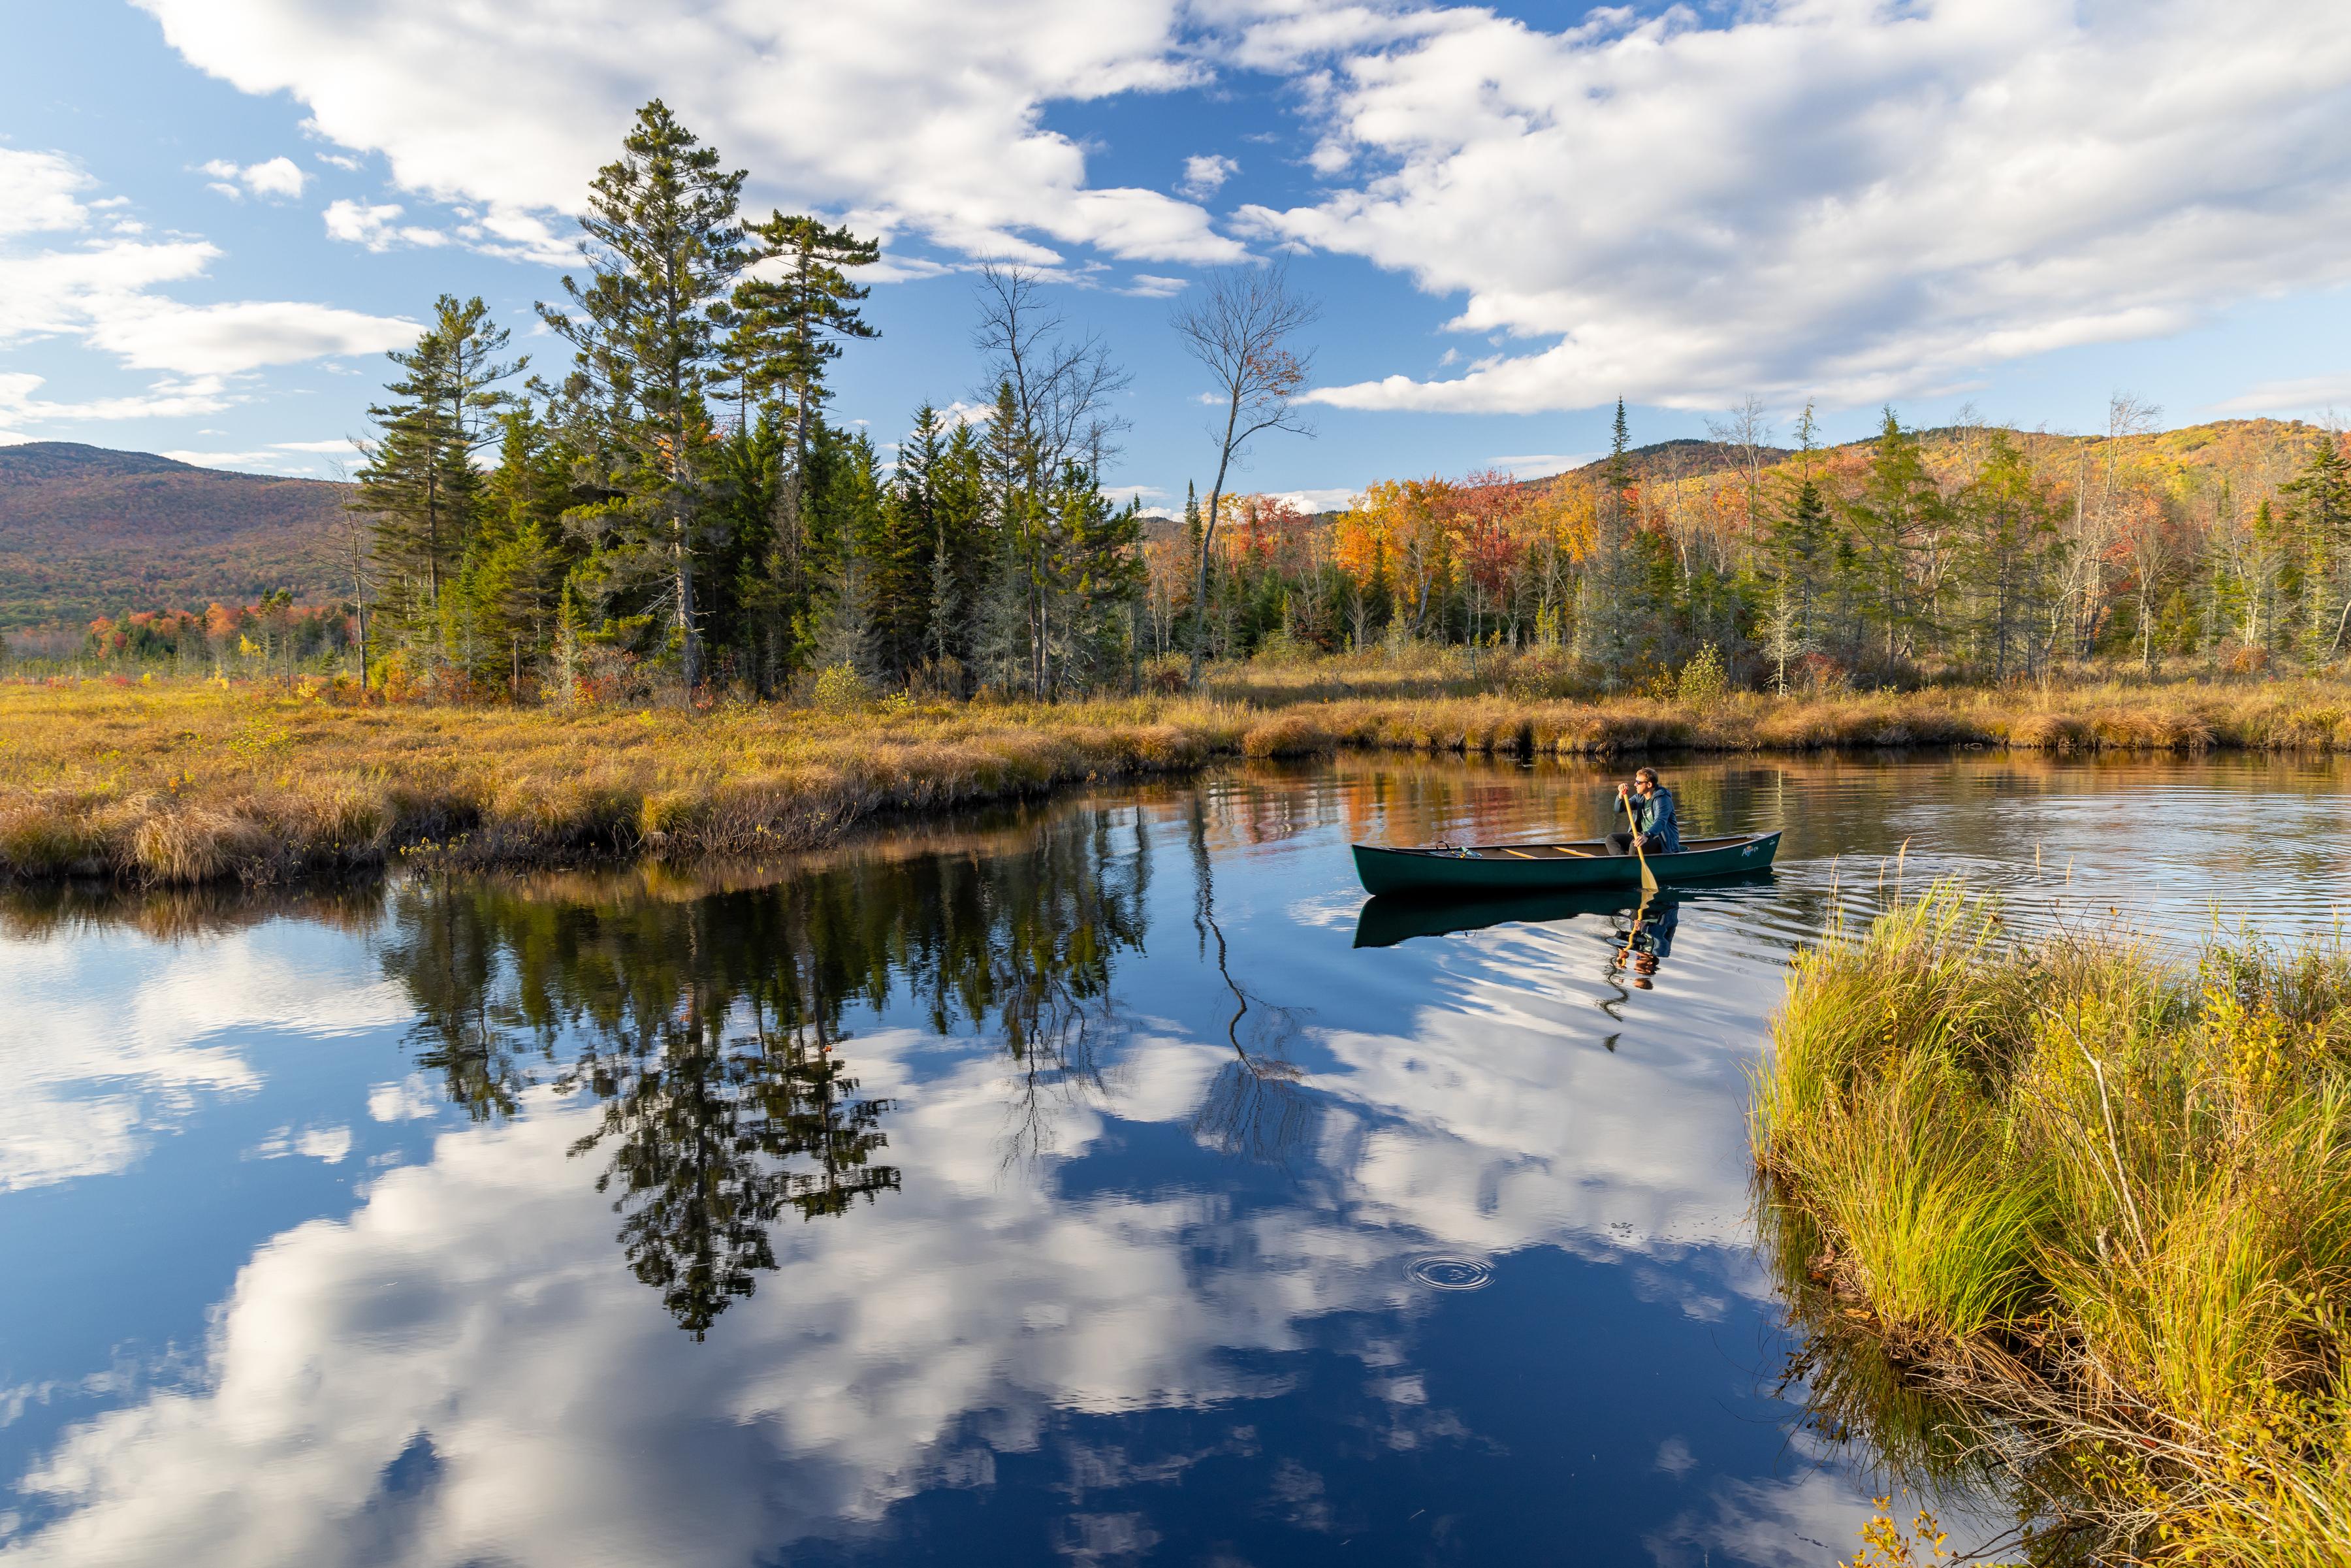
(2093, 1207)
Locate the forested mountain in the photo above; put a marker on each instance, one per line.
(85, 531)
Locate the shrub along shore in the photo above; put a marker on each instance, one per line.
(188, 783)
(2084, 1214)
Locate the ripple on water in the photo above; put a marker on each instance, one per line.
(1450, 1273)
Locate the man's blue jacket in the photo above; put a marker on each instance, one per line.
(1656, 816)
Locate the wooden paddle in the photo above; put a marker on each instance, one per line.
(1648, 877)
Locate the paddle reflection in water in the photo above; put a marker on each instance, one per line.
(1647, 938)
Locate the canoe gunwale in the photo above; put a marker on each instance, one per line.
(1594, 848)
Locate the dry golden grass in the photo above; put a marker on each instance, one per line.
(186, 784)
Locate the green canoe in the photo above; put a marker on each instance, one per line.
(1448, 871)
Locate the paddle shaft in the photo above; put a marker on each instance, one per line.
(1648, 877)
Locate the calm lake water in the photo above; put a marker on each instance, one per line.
(1100, 1181)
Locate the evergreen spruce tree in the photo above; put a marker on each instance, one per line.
(1620, 463)
(1002, 654)
(419, 484)
(512, 592)
(567, 645)
(1898, 503)
(1608, 602)
(958, 486)
(786, 328)
(663, 250)
(946, 605)
(2318, 505)
(1099, 568)
(530, 484)
(1797, 541)
(844, 634)
(2008, 542)
(1011, 465)
(513, 570)
(745, 615)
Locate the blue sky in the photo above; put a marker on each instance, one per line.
(215, 214)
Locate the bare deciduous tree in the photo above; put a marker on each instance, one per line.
(1063, 384)
(1241, 328)
(1747, 428)
(2093, 523)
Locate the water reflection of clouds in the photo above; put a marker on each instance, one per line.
(1805, 1520)
(476, 1300)
(463, 1369)
(1500, 1132)
(133, 1035)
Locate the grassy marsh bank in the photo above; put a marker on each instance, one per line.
(2079, 1215)
(186, 783)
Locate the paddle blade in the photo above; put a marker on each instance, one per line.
(1648, 877)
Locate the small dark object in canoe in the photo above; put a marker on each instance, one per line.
(1450, 871)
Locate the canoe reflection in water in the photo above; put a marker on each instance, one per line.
(1645, 928)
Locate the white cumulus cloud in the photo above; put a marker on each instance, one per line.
(908, 116)
(1830, 195)
(197, 339)
(1204, 175)
(1151, 285)
(278, 178)
(2300, 395)
(57, 278)
(376, 225)
(38, 193)
(171, 397)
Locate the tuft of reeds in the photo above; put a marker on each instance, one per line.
(2098, 1207)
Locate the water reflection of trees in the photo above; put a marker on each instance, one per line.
(1253, 1105)
(703, 1133)
(711, 1030)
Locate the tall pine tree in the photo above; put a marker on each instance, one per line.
(663, 249)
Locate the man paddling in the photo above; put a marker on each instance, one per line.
(1653, 810)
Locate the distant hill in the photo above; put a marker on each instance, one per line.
(85, 531)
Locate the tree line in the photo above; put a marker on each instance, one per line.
(1972, 552)
(678, 509)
